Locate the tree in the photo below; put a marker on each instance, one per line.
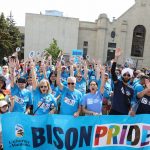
(4, 36)
(14, 33)
(54, 51)
(10, 37)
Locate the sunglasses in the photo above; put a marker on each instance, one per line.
(71, 83)
(126, 75)
(43, 87)
(79, 76)
(93, 84)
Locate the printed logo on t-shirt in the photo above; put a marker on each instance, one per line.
(92, 101)
(122, 90)
(44, 106)
(69, 101)
(144, 101)
(127, 92)
(53, 92)
(19, 100)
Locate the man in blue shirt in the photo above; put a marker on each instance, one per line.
(70, 98)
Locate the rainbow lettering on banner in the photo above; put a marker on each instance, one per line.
(136, 135)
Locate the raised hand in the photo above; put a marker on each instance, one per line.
(12, 62)
(32, 64)
(58, 66)
(117, 52)
(102, 69)
(147, 83)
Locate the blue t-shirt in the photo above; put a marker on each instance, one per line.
(42, 103)
(93, 102)
(64, 76)
(55, 90)
(138, 88)
(40, 76)
(107, 90)
(70, 101)
(81, 86)
(22, 99)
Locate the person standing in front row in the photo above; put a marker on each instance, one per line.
(22, 96)
(70, 103)
(92, 102)
(43, 101)
(123, 93)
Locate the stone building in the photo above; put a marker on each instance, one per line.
(130, 32)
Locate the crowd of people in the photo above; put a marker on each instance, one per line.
(84, 88)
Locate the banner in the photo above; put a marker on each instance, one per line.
(24, 132)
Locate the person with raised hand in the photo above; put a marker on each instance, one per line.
(43, 101)
(81, 78)
(92, 101)
(71, 97)
(22, 96)
(143, 104)
(123, 92)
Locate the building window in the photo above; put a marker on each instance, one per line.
(138, 41)
(85, 43)
(110, 54)
(85, 52)
(112, 45)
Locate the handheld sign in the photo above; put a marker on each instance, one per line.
(18, 49)
(32, 54)
(38, 54)
(77, 52)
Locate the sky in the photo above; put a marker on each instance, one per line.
(85, 10)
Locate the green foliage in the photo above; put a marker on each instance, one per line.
(10, 37)
(54, 51)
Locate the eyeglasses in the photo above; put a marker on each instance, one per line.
(53, 76)
(43, 87)
(79, 76)
(93, 84)
(126, 74)
(71, 83)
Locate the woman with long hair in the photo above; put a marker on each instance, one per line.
(43, 100)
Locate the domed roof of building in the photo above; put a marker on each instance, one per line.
(102, 16)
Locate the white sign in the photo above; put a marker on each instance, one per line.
(38, 54)
(32, 54)
(18, 49)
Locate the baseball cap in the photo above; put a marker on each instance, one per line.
(3, 103)
(2, 78)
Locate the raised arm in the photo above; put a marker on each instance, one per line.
(12, 66)
(102, 70)
(71, 71)
(85, 70)
(59, 76)
(113, 68)
(141, 94)
(33, 73)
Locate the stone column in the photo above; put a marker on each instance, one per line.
(122, 45)
(102, 25)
